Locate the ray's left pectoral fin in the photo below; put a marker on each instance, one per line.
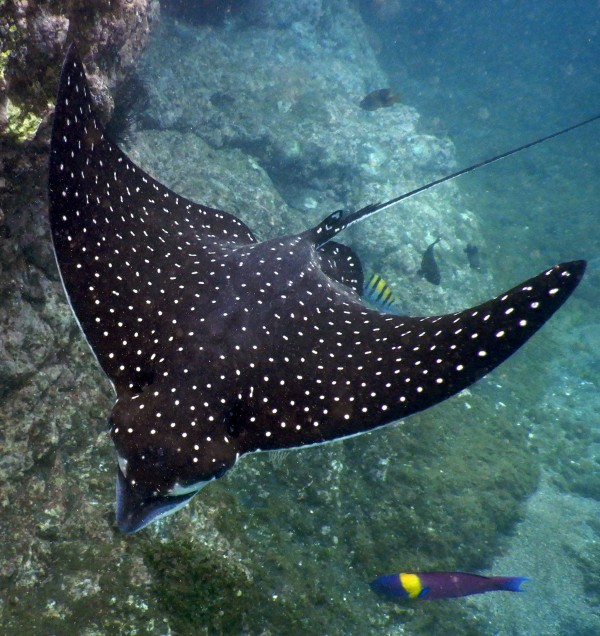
(128, 248)
(446, 354)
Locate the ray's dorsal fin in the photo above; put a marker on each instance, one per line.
(337, 222)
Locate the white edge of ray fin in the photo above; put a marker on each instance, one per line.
(73, 312)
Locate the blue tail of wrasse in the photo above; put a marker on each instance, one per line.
(513, 583)
(378, 292)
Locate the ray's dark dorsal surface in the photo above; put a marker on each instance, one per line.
(218, 345)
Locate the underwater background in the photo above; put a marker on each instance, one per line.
(253, 107)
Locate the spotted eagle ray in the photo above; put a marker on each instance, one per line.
(219, 345)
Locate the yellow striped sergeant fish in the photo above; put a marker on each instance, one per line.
(378, 292)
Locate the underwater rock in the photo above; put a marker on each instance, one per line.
(284, 14)
(312, 141)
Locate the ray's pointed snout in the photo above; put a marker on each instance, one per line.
(135, 509)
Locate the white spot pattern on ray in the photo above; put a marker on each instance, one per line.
(218, 345)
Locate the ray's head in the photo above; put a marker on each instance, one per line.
(162, 465)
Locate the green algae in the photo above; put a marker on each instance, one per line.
(21, 122)
(4, 55)
(88, 600)
(22, 125)
(201, 591)
(590, 568)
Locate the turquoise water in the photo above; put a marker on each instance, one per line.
(253, 108)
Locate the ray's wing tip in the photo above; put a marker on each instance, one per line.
(72, 53)
(576, 269)
(578, 265)
(561, 280)
(72, 57)
(71, 76)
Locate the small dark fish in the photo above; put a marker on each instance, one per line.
(378, 292)
(429, 267)
(428, 586)
(222, 100)
(381, 98)
(472, 252)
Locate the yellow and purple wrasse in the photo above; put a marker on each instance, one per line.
(428, 586)
(378, 292)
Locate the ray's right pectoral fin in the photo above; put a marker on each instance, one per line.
(411, 363)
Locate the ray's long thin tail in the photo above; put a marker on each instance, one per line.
(341, 219)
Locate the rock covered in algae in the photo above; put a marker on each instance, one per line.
(33, 39)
